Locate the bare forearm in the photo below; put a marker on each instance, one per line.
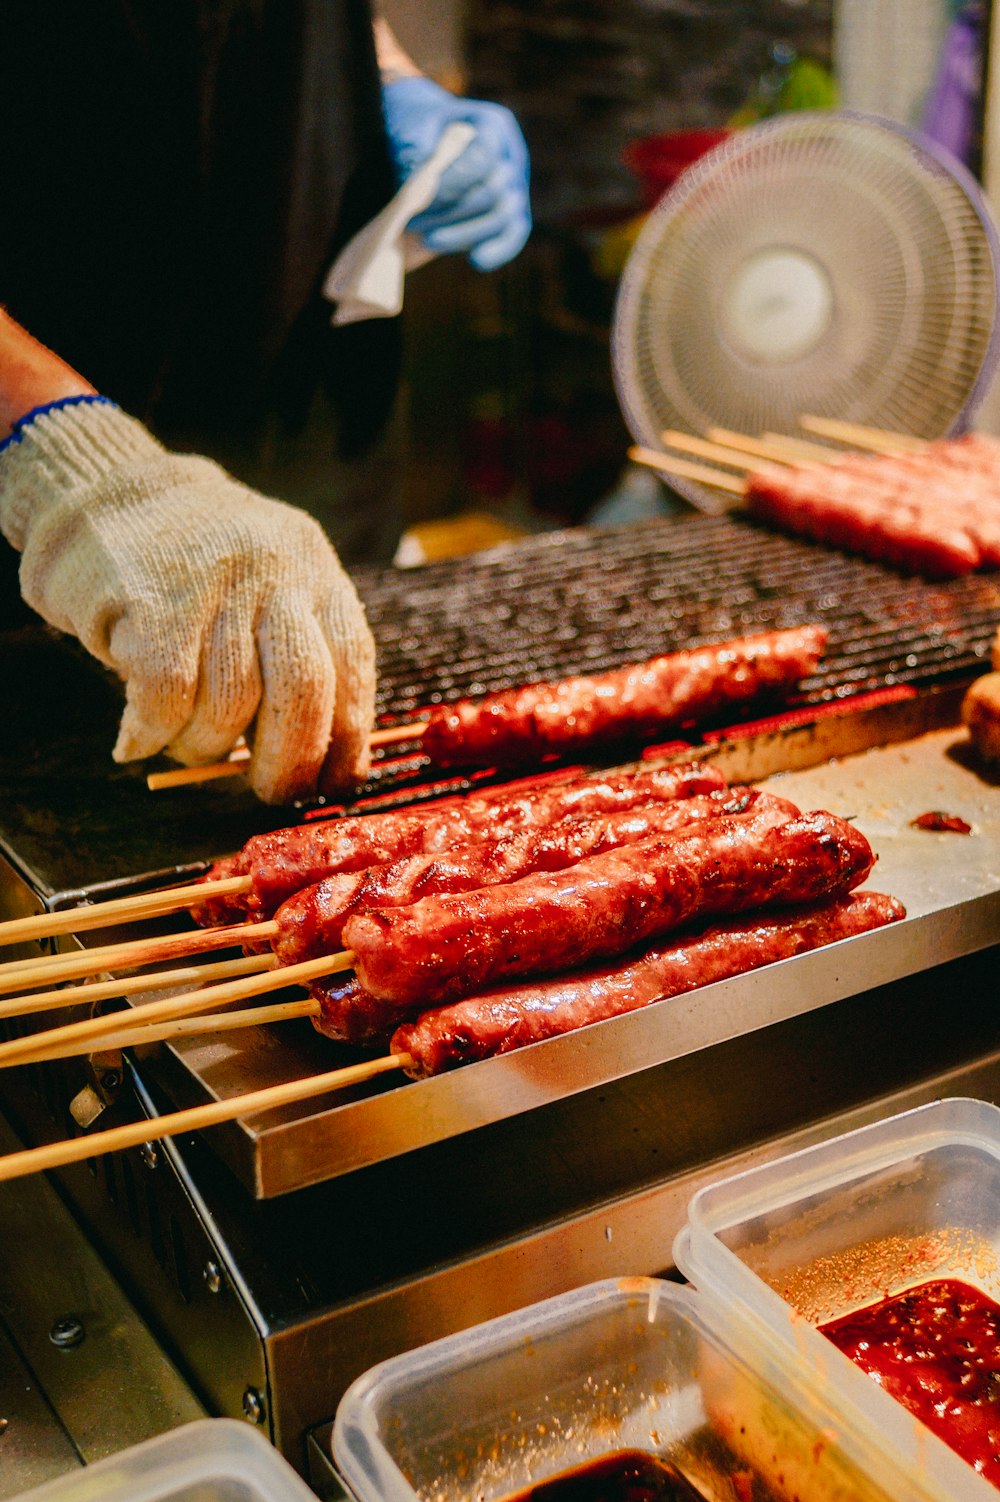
(31, 375)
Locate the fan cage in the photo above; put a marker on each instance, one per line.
(908, 243)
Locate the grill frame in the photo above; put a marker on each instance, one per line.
(603, 598)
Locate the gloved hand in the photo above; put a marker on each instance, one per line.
(219, 608)
(482, 204)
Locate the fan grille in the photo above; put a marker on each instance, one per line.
(899, 242)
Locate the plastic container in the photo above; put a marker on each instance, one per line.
(828, 1230)
(211, 1460)
(613, 1366)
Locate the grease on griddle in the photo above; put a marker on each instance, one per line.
(935, 819)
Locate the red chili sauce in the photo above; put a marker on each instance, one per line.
(627, 1476)
(936, 1349)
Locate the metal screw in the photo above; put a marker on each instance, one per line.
(253, 1405)
(110, 1080)
(149, 1155)
(212, 1274)
(67, 1332)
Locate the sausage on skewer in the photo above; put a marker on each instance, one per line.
(837, 509)
(444, 947)
(524, 724)
(312, 921)
(286, 860)
(506, 1018)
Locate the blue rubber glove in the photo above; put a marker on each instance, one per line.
(482, 204)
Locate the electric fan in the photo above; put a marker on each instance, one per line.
(825, 263)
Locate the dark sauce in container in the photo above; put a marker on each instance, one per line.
(936, 1350)
(626, 1476)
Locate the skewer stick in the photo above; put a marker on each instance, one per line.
(668, 464)
(687, 443)
(49, 969)
(236, 764)
(178, 1027)
(154, 980)
(119, 910)
(394, 733)
(95, 1029)
(757, 448)
(861, 436)
(77, 1149)
(801, 451)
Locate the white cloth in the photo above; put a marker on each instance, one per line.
(221, 610)
(366, 279)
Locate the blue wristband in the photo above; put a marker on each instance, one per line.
(18, 430)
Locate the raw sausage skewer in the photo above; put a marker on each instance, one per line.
(860, 435)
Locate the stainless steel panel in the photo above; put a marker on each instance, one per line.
(106, 1383)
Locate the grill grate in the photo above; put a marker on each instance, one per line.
(585, 600)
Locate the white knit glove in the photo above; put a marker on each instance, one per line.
(219, 608)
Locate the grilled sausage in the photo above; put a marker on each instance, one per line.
(311, 922)
(499, 1020)
(289, 859)
(444, 947)
(523, 724)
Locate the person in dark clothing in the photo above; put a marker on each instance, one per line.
(186, 171)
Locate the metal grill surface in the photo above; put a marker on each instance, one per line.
(586, 600)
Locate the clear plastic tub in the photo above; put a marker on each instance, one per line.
(613, 1366)
(211, 1460)
(822, 1232)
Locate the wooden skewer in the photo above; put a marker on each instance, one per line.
(801, 451)
(94, 1029)
(119, 910)
(178, 1027)
(881, 440)
(687, 443)
(77, 1149)
(233, 766)
(668, 464)
(236, 764)
(156, 980)
(49, 969)
(395, 733)
(757, 448)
